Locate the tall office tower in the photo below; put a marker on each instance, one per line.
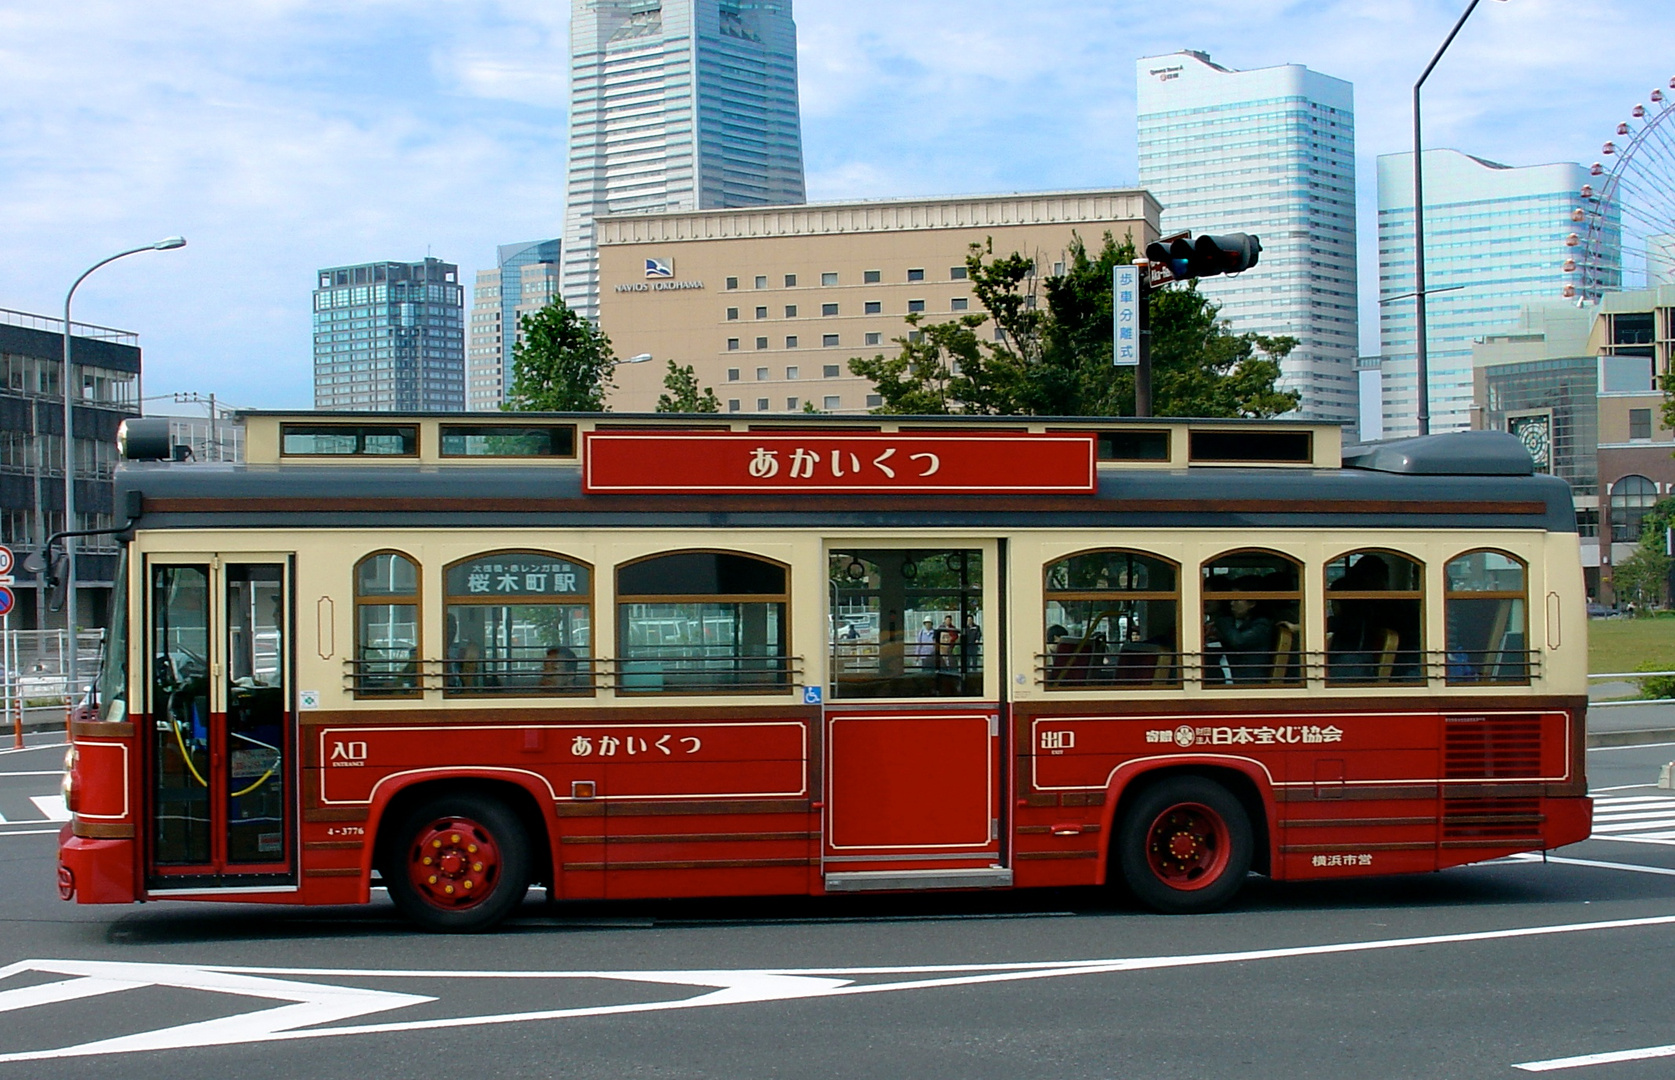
(1271, 152)
(390, 336)
(525, 280)
(676, 105)
(1494, 242)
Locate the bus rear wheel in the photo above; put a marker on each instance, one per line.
(1185, 845)
(459, 864)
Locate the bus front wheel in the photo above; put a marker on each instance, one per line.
(1185, 845)
(459, 864)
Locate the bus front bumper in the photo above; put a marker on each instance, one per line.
(95, 871)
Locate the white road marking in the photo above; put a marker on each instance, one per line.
(1661, 871)
(43, 772)
(1634, 817)
(1611, 1058)
(30, 832)
(1631, 746)
(319, 1003)
(1621, 787)
(32, 749)
(51, 807)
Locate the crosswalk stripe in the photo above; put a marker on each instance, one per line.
(51, 807)
(1636, 815)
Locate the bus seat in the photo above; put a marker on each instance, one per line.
(1387, 655)
(1285, 643)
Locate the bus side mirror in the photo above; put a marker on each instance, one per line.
(58, 582)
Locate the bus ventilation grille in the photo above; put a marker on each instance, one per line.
(1491, 820)
(1492, 748)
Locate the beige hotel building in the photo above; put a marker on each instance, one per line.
(769, 304)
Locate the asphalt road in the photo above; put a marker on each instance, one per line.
(1468, 973)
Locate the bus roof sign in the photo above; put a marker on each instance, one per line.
(645, 462)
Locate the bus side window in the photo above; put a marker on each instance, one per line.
(386, 625)
(702, 621)
(1253, 620)
(1112, 620)
(1374, 618)
(518, 624)
(1487, 618)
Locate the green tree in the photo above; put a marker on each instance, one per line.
(1056, 359)
(1644, 575)
(561, 363)
(682, 394)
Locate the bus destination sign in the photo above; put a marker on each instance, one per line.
(644, 462)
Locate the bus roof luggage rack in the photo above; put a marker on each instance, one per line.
(1457, 453)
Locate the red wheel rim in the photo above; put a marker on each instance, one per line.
(454, 863)
(1188, 846)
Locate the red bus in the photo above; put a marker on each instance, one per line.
(640, 656)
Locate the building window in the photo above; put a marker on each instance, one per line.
(1000, 335)
(916, 275)
(732, 404)
(1375, 618)
(761, 343)
(1640, 423)
(874, 307)
(732, 344)
(790, 311)
(761, 374)
(875, 401)
(1112, 619)
(1631, 497)
(875, 337)
(790, 373)
(791, 404)
(518, 623)
(828, 309)
(1484, 611)
(956, 273)
(732, 313)
(833, 401)
(761, 313)
(386, 625)
(791, 341)
(829, 340)
(958, 303)
(732, 374)
(829, 278)
(1058, 269)
(761, 281)
(732, 283)
(761, 404)
(790, 281)
(915, 305)
(703, 621)
(829, 371)
(1252, 617)
(871, 277)
(1587, 523)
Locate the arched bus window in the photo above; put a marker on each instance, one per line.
(702, 622)
(1484, 607)
(1375, 615)
(1112, 619)
(1253, 625)
(518, 623)
(387, 625)
(1631, 497)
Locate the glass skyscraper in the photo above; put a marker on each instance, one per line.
(1270, 152)
(1496, 230)
(676, 105)
(524, 281)
(390, 337)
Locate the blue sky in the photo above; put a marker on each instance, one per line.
(280, 136)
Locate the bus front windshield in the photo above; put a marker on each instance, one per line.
(113, 661)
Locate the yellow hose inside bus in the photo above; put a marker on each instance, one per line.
(185, 756)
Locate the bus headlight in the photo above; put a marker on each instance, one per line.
(68, 786)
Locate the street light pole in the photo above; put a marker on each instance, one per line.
(1422, 368)
(71, 674)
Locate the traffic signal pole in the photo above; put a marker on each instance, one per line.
(1143, 342)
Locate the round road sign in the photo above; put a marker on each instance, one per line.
(6, 600)
(5, 560)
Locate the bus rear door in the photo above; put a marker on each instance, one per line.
(914, 719)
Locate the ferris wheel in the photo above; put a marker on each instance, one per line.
(1626, 224)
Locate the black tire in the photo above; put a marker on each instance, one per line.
(1185, 845)
(479, 863)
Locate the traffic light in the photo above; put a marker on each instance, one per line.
(1227, 254)
(1205, 257)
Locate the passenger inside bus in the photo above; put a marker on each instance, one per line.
(1244, 634)
(1373, 618)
